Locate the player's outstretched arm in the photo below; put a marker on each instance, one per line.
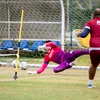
(83, 33)
(38, 71)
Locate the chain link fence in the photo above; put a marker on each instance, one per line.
(42, 20)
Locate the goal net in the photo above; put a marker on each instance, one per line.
(80, 11)
(43, 20)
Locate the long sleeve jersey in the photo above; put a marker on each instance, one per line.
(54, 54)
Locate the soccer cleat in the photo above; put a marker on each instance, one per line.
(91, 86)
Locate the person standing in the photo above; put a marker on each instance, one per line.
(92, 27)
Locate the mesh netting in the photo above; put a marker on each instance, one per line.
(78, 13)
(42, 19)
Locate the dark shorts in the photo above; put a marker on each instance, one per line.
(95, 57)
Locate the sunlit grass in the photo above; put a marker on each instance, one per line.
(70, 84)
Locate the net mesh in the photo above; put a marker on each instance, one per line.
(42, 19)
(81, 11)
(78, 13)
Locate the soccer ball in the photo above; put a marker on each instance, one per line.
(23, 65)
(13, 63)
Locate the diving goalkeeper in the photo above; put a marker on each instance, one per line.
(55, 54)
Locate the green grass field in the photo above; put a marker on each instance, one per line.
(70, 84)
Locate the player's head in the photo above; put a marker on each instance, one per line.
(47, 41)
(47, 46)
(44, 47)
(96, 13)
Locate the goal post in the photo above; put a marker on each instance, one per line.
(44, 19)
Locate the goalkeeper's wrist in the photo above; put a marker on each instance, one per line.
(35, 72)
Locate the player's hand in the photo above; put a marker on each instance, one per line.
(77, 31)
(76, 34)
(32, 72)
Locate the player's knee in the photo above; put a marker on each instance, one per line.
(55, 71)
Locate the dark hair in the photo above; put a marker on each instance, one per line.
(96, 13)
(47, 41)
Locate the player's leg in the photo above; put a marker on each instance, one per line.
(92, 72)
(78, 53)
(68, 59)
(64, 65)
(95, 59)
(75, 54)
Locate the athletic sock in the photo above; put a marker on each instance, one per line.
(90, 82)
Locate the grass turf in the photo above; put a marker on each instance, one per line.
(70, 84)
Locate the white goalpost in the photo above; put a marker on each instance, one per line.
(43, 20)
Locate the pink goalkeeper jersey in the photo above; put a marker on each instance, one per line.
(94, 27)
(54, 54)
